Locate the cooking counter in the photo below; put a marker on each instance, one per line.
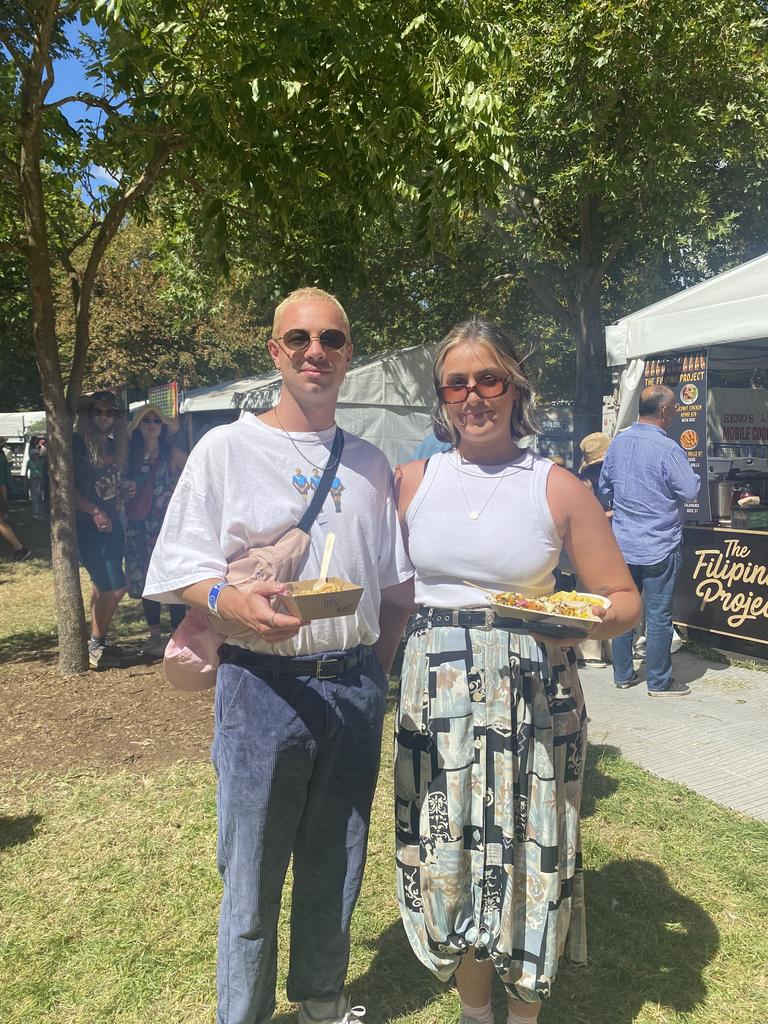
(722, 587)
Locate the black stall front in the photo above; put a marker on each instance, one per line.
(710, 345)
(722, 589)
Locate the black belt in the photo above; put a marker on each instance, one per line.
(275, 665)
(465, 618)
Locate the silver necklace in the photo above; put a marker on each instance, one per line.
(475, 514)
(302, 454)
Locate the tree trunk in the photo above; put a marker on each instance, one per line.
(73, 655)
(589, 337)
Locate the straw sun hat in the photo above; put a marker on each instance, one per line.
(138, 415)
(593, 448)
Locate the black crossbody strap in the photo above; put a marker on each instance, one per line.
(305, 525)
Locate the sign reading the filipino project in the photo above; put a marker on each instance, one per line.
(686, 374)
(722, 585)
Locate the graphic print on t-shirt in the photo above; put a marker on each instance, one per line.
(306, 486)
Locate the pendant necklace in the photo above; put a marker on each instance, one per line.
(302, 454)
(475, 514)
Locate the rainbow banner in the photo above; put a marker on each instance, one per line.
(166, 397)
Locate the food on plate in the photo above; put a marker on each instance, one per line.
(688, 394)
(689, 439)
(564, 602)
(327, 588)
(308, 588)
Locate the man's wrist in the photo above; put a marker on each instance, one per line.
(212, 600)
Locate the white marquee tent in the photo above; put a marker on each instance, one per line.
(728, 310)
(385, 398)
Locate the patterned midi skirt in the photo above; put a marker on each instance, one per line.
(490, 744)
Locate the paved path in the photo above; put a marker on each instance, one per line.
(714, 741)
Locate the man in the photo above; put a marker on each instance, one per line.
(648, 478)
(299, 707)
(99, 448)
(20, 550)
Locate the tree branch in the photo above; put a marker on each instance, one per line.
(6, 40)
(545, 294)
(89, 100)
(613, 251)
(10, 169)
(154, 170)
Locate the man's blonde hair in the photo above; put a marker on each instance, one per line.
(302, 294)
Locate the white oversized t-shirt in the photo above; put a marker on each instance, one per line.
(246, 484)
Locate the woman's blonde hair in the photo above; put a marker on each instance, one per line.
(484, 332)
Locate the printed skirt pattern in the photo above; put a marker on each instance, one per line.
(490, 744)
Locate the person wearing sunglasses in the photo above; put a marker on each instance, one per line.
(299, 705)
(99, 448)
(491, 723)
(154, 465)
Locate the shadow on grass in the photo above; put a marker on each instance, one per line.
(29, 645)
(647, 944)
(15, 831)
(597, 786)
(395, 985)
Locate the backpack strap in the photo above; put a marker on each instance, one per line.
(305, 524)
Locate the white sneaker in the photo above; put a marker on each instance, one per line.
(102, 658)
(331, 1011)
(154, 647)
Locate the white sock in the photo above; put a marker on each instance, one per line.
(482, 1014)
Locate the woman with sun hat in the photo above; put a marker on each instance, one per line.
(155, 464)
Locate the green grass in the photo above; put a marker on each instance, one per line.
(109, 895)
(27, 604)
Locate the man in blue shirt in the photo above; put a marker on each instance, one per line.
(648, 477)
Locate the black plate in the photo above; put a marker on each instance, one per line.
(553, 629)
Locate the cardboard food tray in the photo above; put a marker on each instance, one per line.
(302, 602)
(527, 620)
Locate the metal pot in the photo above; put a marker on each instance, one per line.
(720, 498)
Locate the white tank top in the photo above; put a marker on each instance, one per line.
(511, 543)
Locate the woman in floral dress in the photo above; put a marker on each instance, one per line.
(491, 724)
(155, 465)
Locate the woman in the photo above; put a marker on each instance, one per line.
(155, 465)
(595, 653)
(491, 725)
(98, 449)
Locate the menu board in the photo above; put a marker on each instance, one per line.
(686, 374)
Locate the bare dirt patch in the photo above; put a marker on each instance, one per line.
(122, 718)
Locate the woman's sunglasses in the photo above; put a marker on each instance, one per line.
(151, 419)
(298, 339)
(487, 387)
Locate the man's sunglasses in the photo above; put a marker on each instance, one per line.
(298, 339)
(487, 387)
(111, 413)
(151, 419)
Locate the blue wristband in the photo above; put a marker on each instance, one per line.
(213, 595)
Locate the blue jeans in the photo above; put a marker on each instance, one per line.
(297, 761)
(657, 584)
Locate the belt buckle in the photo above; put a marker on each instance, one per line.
(328, 673)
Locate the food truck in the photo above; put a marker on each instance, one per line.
(709, 343)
